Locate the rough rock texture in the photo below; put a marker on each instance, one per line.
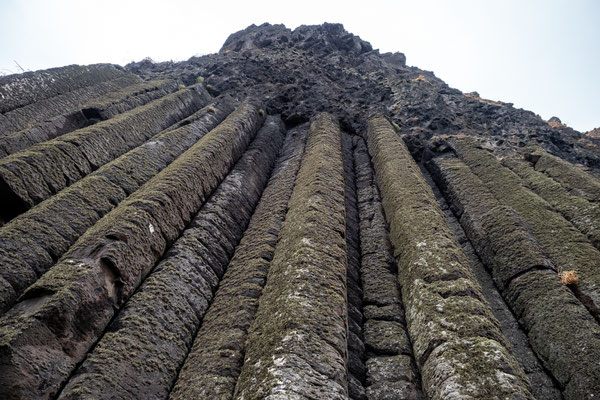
(297, 344)
(445, 308)
(295, 217)
(316, 68)
(215, 361)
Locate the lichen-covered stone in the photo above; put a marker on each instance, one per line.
(68, 308)
(386, 337)
(84, 109)
(562, 332)
(354, 297)
(543, 305)
(20, 90)
(148, 342)
(565, 246)
(214, 363)
(44, 110)
(385, 331)
(575, 180)
(582, 213)
(58, 163)
(455, 336)
(297, 344)
(34, 240)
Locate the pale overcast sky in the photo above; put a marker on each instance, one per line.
(540, 55)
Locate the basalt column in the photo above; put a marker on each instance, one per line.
(457, 343)
(297, 346)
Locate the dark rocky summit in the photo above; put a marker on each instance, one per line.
(295, 217)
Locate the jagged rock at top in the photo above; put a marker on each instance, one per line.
(295, 216)
(325, 68)
(331, 37)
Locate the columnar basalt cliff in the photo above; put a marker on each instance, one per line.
(295, 217)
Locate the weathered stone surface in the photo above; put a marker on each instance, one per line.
(563, 334)
(68, 308)
(32, 114)
(296, 345)
(356, 348)
(214, 363)
(527, 278)
(512, 249)
(390, 369)
(82, 111)
(564, 245)
(542, 385)
(22, 89)
(33, 175)
(584, 214)
(392, 391)
(575, 180)
(386, 337)
(385, 329)
(445, 310)
(150, 340)
(99, 193)
(34, 240)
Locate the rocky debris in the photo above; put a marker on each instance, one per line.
(594, 133)
(147, 251)
(328, 38)
(325, 68)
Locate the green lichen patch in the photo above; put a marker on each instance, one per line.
(561, 331)
(443, 302)
(565, 246)
(216, 358)
(103, 268)
(42, 168)
(584, 214)
(297, 342)
(572, 178)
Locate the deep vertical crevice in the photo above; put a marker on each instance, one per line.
(391, 371)
(356, 347)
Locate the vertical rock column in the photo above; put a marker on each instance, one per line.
(147, 342)
(297, 345)
(45, 336)
(215, 361)
(456, 340)
(500, 233)
(565, 246)
(390, 367)
(560, 329)
(584, 214)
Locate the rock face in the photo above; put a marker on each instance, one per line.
(295, 217)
